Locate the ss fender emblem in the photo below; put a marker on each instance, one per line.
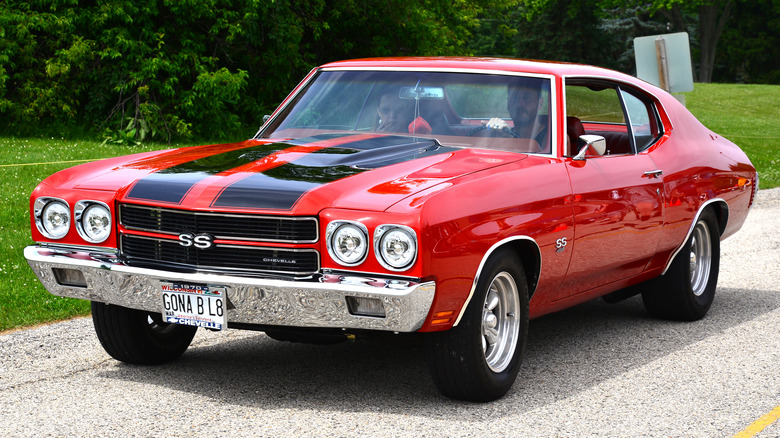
(201, 241)
(560, 244)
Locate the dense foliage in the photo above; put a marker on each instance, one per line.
(135, 71)
(749, 50)
(207, 68)
(731, 40)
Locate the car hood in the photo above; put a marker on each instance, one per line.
(301, 176)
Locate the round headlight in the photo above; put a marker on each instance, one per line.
(93, 221)
(396, 246)
(347, 242)
(55, 219)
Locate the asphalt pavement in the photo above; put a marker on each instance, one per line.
(594, 370)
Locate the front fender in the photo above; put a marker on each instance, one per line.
(465, 222)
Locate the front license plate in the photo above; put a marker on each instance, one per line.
(200, 305)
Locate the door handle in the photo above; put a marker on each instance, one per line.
(654, 173)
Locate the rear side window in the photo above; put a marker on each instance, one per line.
(643, 122)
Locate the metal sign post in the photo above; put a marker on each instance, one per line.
(665, 61)
(663, 66)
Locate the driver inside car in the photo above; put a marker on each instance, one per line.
(524, 98)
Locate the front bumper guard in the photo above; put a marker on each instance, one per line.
(318, 303)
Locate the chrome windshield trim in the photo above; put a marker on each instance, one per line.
(488, 72)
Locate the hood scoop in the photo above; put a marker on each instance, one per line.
(366, 157)
(273, 182)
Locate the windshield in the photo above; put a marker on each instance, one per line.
(457, 109)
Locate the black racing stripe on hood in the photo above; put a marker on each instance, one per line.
(172, 184)
(281, 187)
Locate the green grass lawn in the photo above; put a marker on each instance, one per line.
(23, 300)
(748, 115)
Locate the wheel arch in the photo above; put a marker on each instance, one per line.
(721, 210)
(527, 251)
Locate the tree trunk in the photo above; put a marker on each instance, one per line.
(710, 28)
(675, 15)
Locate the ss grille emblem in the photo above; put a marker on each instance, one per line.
(200, 241)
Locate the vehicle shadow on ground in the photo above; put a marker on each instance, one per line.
(567, 353)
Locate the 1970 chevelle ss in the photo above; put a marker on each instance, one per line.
(453, 197)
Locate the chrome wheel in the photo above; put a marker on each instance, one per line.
(478, 359)
(700, 259)
(686, 291)
(500, 322)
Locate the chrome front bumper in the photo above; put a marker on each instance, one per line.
(320, 303)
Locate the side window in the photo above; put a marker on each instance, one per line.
(595, 108)
(626, 122)
(642, 120)
(594, 105)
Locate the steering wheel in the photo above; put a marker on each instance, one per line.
(492, 132)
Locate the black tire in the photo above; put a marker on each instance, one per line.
(467, 364)
(139, 337)
(687, 290)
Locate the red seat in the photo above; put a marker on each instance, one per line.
(574, 129)
(618, 143)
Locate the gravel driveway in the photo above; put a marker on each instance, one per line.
(594, 370)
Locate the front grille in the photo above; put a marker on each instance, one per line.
(247, 227)
(144, 251)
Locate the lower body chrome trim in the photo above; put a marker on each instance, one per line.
(250, 300)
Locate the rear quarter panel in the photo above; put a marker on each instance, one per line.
(698, 166)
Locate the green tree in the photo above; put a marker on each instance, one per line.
(749, 44)
(712, 17)
(568, 30)
(207, 68)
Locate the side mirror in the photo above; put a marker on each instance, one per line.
(592, 145)
(265, 118)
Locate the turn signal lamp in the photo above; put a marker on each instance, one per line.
(363, 306)
(69, 277)
(444, 317)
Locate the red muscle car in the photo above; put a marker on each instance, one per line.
(453, 197)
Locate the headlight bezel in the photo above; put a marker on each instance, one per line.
(80, 211)
(331, 233)
(381, 233)
(41, 206)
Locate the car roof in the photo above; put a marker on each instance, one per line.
(553, 68)
(477, 63)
